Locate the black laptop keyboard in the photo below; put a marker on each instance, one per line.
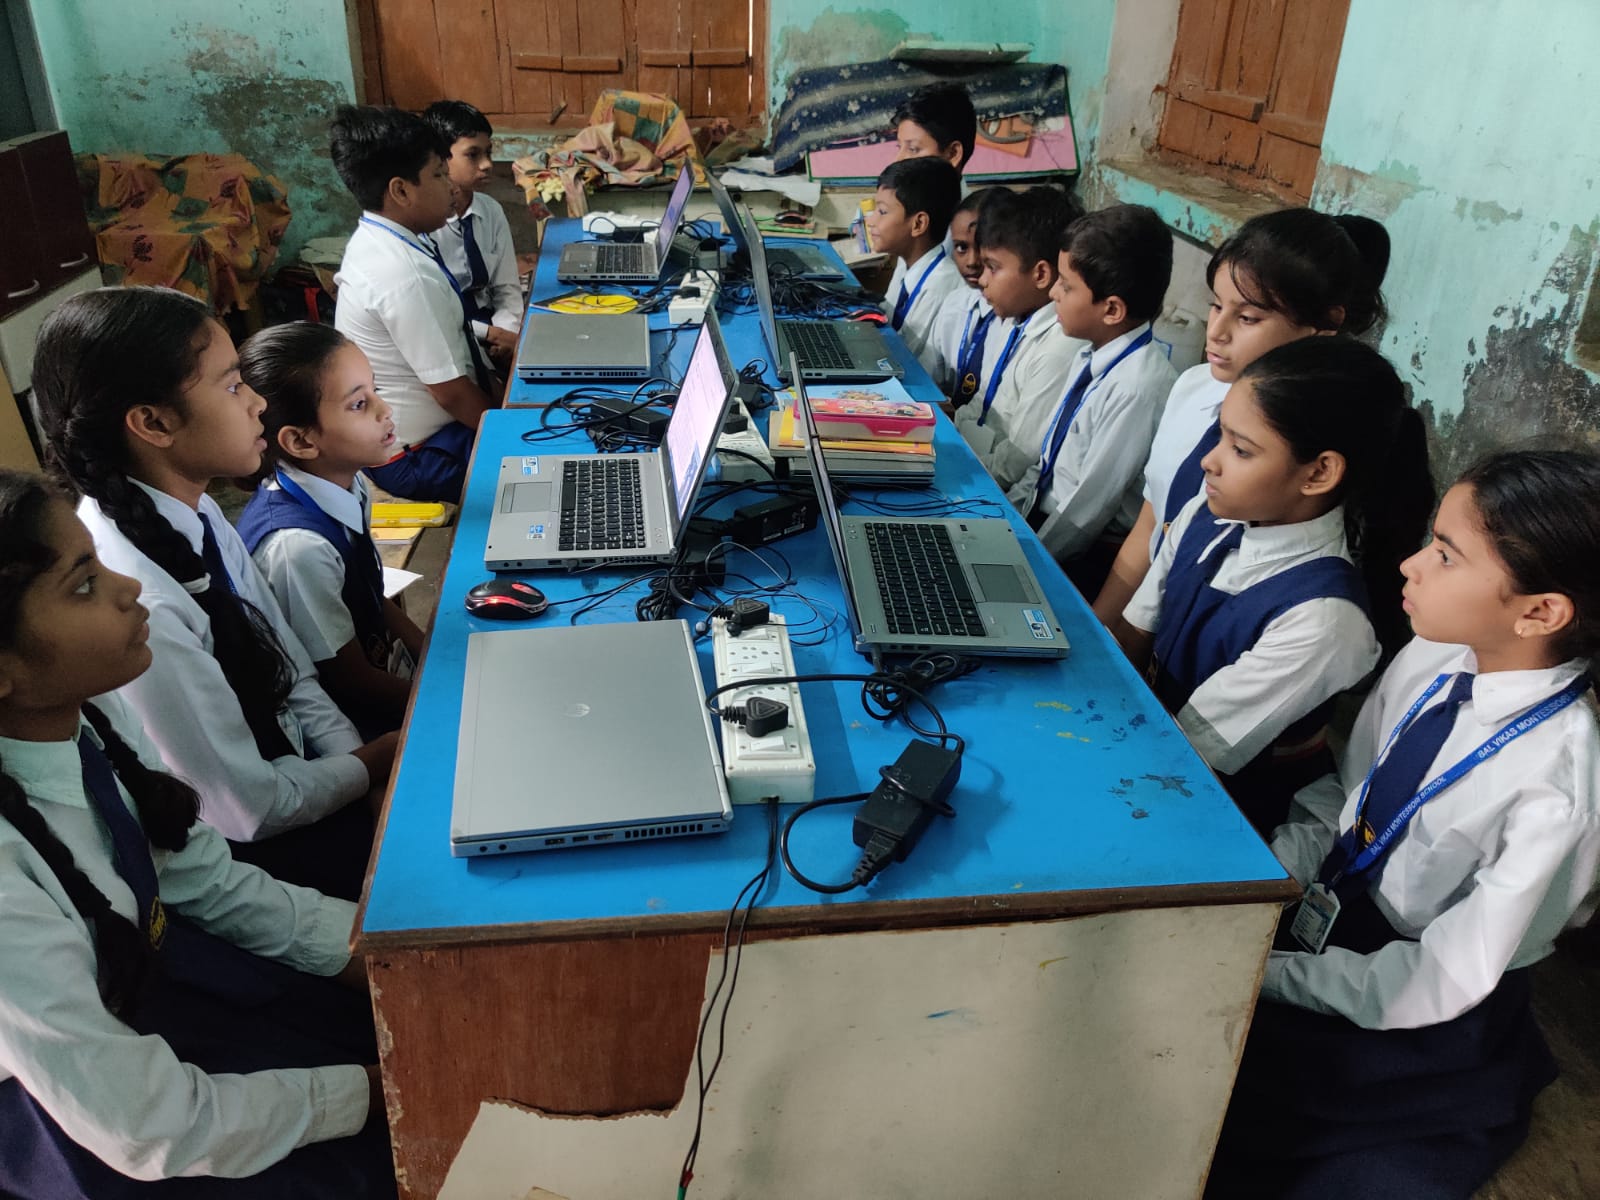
(923, 589)
(612, 259)
(601, 506)
(818, 344)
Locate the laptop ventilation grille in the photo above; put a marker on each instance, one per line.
(655, 831)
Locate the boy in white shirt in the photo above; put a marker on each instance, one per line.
(916, 198)
(1019, 234)
(476, 240)
(1083, 494)
(399, 303)
(961, 329)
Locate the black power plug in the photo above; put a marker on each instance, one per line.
(908, 796)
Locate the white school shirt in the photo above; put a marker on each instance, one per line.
(192, 715)
(1008, 441)
(306, 571)
(1304, 657)
(1487, 873)
(959, 314)
(396, 304)
(492, 233)
(128, 1099)
(1191, 408)
(917, 328)
(1096, 487)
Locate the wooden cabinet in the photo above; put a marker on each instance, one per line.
(45, 239)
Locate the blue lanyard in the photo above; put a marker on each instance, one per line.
(305, 500)
(1371, 853)
(1000, 370)
(1054, 443)
(911, 300)
(432, 254)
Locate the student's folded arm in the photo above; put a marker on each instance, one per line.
(462, 398)
(1128, 571)
(1464, 951)
(1303, 658)
(128, 1099)
(1303, 841)
(351, 679)
(196, 724)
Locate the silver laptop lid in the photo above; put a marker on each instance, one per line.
(730, 214)
(824, 485)
(563, 344)
(673, 217)
(758, 275)
(696, 423)
(543, 714)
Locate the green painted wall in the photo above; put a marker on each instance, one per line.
(1476, 148)
(187, 76)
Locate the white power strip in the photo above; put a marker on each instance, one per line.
(691, 309)
(737, 468)
(779, 764)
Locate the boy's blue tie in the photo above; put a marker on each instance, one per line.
(1401, 774)
(1058, 434)
(128, 842)
(901, 307)
(480, 369)
(475, 263)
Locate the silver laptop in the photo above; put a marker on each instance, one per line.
(630, 262)
(564, 346)
(830, 351)
(912, 584)
(543, 713)
(555, 510)
(804, 262)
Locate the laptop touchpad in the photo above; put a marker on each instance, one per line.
(530, 497)
(1000, 583)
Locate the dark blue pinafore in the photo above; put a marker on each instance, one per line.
(1204, 629)
(224, 1011)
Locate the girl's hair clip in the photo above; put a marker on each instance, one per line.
(195, 586)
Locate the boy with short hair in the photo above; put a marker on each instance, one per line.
(915, 200)
(1018, 235)
(398, 302)
(1083, 493)
(476, 240)
(937, 121)
(961, 330)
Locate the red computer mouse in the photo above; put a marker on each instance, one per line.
(506, 600)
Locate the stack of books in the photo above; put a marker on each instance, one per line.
(870, 433)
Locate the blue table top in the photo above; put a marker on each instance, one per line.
(1074, 780)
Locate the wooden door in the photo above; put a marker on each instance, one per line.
(1248, 90)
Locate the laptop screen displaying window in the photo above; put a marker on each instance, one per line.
(668, 229)
(692, 432)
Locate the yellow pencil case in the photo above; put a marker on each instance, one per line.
(386, 514)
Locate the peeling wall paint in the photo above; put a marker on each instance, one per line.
(187, 76)
(1491, 206)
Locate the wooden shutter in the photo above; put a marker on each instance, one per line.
(1248, 91)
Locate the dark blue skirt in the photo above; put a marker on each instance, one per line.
(225, 1011)
(1326, 1110)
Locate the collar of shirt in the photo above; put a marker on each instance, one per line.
(399, 231)
(181, 517)
(49, 771)
(1500, 695)
(915, 271)
(1315, 538)
(1103, 356)
(1040, 322)
(349, 508)
(475, 209)
(975, 302)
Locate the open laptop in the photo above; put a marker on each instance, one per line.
(558, 347)
(830, 351)
(807, 262)
(916, 584)
(543, 713)
(629, 262)
(554, 510)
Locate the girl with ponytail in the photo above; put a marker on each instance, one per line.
(1278, 587)
(1282, 276)
(142, 407)
(162, 1013)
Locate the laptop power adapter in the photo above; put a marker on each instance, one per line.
(648, 424)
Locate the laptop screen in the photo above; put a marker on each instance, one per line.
(697, 416)
(758, 274)
(668, 229)
(831, 524)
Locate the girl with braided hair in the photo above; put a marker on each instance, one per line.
(167, 1012)
(142, 407)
